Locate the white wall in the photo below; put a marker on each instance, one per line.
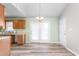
(71, 15)
(53, 28)
(54, 31)
(62, 30)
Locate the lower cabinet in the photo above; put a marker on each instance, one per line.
(5, 46)
(20, 39)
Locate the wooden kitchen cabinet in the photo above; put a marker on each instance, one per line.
(1, 10)
(2, 18)
(2, 23)
(20, 39)
(19, 24)
(5, 45)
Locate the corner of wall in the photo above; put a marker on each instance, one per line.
(70, 50)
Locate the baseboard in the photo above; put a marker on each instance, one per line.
(42, 42)
(70, 50)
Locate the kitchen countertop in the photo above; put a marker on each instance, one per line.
(4, 37)
(5, 34)
(17, 32)
(8, 34)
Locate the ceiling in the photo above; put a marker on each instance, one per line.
(34, 9)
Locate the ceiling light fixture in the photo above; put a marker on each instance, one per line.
(39, 18)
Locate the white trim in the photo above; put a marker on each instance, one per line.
(70, 50)
(43, 42)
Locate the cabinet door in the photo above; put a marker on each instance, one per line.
(5, 45)
(21, 24)
(2, 22)
(2, 19)
(1, 10)
(15, 24)
(20, 39)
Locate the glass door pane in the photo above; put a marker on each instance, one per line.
(45, 31)
(34, 26)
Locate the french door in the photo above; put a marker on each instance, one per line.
(40, 31)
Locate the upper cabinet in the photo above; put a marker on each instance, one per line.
(1, 10)
(2, 18)
(19, 24)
